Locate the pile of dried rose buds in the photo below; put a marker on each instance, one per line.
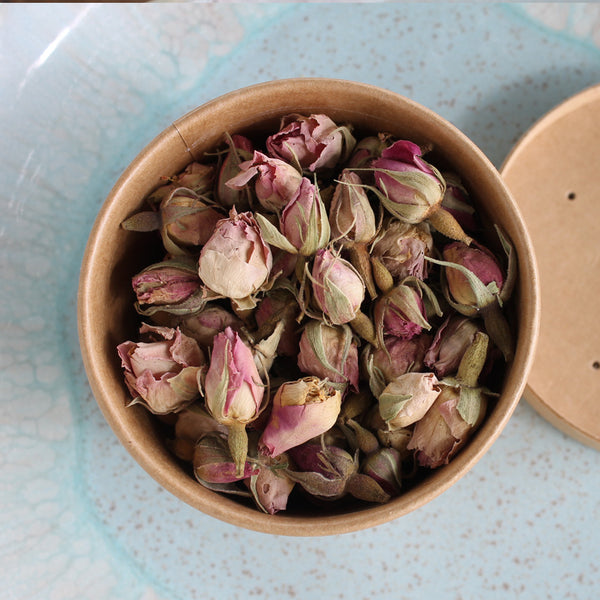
(324, 323)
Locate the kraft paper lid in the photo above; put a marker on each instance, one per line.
(554, 175)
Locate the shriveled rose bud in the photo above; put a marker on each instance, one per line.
(211, 320)
(402, 247)
(197, 177)
(396, 357)
(168, 282)
(367, 150)
(456, 202)
(271, 487)
(236, 261)
(240, 150)
(338, 288)
(280, 305)
(351, 216)
(187, 222)
(276, 182)
(329, 352)
(401, 313)
(412, 189)
(313, 142)
(406, 399)
(481, 263)
(213, 463)
(161, 374)
(304, 220)
(329, 473)
(451, 341)
(233, 389)
(301, 410)
(384, 466)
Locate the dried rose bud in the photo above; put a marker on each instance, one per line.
(351, 216)
(192, 423)
(384, 466)
(481, 263)
(451, 341)
(213, 319)
(456, 202)
(187, 222)
(411, 188)
(197, 177)
(407, 398)
(304, 220)
(313, 142)
(168, 282)
(276, 182)
(457, 411)
(213, 463)
(367, 150)
(402, 247)
(396, 357)
(301, 410)
(240, 150)
(329, 352)
(280, 305)
(233, 389)
(161, 374)
(401, 313)
(338, 288)
(236, 261)
(271, 487)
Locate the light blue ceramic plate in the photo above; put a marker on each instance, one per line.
(83, 89)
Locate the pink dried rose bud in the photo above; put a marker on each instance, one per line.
(456, 202)
(233, 390)
(187, 222)
(329, 352)
(407, 398)
(213, 463)
(162, 373)
(385, 467)
(411, 188)
(338, 288)
(367, 150)
(301, 410)
(168, 282)
(402, 247)
(236, 261)
(276, 181)
(210, 321)
(197, 177)
(191, 424)
(271, 487)
(396, 357)
(451, 340)
(240, 150)
(481, 263)
(401, 313)
(351, 216)
(313, 142)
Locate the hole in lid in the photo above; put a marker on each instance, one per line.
(571, 196)
(596, 365)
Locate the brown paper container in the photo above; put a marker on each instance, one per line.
(113, 255)
(554, 175)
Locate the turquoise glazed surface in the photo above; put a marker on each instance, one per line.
(84, 88)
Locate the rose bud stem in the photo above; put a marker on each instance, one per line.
(238, 446)
(473, 360)
(360, 258)
(383, 278)
(364, 327)
(447, 225)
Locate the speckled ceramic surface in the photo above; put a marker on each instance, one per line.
(84, 88)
